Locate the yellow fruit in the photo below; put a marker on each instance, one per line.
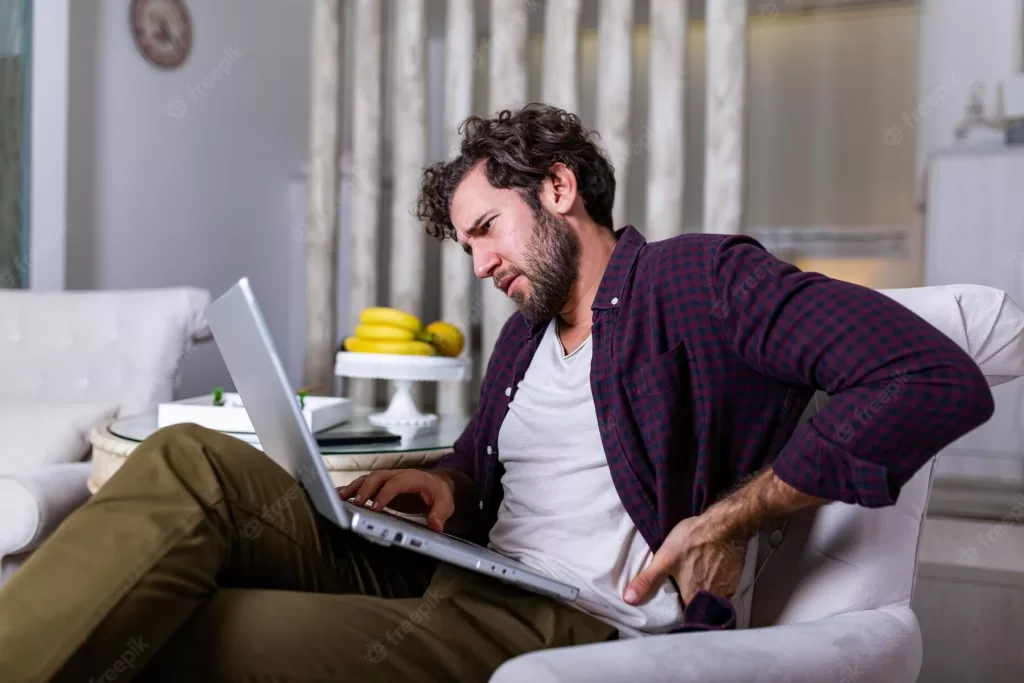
(446, 338)
(405, 348)
(385, 332)
(381, 315)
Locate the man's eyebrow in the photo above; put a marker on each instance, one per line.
(475, 228)
(478, 222)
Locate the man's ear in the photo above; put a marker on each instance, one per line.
(561, 190)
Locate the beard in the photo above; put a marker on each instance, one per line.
(552, 266)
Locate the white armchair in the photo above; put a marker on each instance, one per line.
(833, 603)
(69, 359)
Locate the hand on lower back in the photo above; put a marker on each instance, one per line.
(697, 559)
(409, 491)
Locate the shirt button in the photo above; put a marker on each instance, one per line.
(615, 300)
(775, 538)
(508, 391)
(489, 450)
(481, 505)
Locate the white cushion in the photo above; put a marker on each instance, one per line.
(843, 558)
(21, 515)
(876, 646)
(984, 321)
(119, 348)
(34, 503)
(39, 434)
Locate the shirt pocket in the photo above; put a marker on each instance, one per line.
(665, 401)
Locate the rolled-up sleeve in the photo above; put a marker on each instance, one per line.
(901, 390)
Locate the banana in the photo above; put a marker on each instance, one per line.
(381, 315)
(446, 338)
(405, 348)
(385, 333)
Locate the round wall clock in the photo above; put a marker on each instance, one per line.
(163, 31)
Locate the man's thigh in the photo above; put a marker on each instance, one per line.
(462, 629)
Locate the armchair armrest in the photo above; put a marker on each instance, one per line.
(873, 646)
(35, 502)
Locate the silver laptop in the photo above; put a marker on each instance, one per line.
(243, 338)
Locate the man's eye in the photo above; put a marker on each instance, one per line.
(488, 224)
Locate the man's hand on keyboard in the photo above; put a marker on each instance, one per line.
(409, 491)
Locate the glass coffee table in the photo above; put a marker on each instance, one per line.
(113, 442)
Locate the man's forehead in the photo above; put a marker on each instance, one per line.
(470, 199)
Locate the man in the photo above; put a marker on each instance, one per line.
(636, 427)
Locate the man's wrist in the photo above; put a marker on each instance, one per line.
(739, 515)
(728, 520)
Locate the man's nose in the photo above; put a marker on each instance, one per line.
(485, 262)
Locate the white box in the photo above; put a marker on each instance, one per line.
(320, 412)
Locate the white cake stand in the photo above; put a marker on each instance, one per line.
(403, 371)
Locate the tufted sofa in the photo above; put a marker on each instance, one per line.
(832, 604)
(68, 360)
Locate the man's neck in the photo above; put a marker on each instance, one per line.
(596, 246)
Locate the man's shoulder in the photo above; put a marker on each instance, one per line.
(694, 245)
(689, 256)
(679, 257)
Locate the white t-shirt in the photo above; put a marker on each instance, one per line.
(561, 514)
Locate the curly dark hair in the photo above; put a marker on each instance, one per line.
(520, 149)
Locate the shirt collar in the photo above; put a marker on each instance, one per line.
(628, 245)
(629, 241)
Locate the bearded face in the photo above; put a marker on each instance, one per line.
(552, 266)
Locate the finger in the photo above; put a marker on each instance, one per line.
(644, 583)
(397, 485)
(348, 489)
(368, 489)
(441, 510)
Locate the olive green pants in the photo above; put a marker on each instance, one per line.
(202, 559)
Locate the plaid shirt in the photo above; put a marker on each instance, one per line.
(706, 350)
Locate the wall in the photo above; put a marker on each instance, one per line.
(824, 88)
(174, 180)
(202, 198)
(976, 41)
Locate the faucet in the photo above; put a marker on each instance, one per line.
(975, 117)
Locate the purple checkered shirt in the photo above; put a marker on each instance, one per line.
(706, 350)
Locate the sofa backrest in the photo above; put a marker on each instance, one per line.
(119, 348)
(842, 558)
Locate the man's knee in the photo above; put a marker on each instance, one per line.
(180, 433)
(191, 452)
(183, 443)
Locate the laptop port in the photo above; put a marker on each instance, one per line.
(398, 537)
(415, 543)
